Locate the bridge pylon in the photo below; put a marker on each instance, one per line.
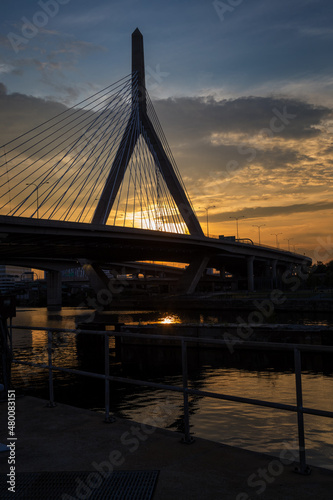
(140, 124)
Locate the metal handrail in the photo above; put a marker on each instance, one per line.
(184, 389)
(257, 244)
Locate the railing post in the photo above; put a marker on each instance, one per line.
(187, 437)
(303, 468)
(51, 403)
(107, 419)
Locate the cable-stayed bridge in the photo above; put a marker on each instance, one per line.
(98, 184)
(105, 161)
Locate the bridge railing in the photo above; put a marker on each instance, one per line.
(248, 241)
(183, 342)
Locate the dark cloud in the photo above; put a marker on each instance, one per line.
(190, 125)
(20, 113)
(279, 158)
(4, 42)
(3, 89)
(77, 47)
(257, 212)
(328, 150)
(51, 74)
(199, 117)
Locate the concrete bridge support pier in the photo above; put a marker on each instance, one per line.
(268, 275)
(97, 278)
(54, 289)
(250, 274)
(192, 274)
(274, 274)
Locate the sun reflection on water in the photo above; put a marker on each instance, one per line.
(170, 319)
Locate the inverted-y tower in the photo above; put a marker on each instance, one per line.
(127, 145)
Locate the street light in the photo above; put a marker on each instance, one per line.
(258, 226)
(237, 219)
(207, 208)
(276, 236)
(37, 187)
(288, 239)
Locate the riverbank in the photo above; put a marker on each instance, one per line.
(268, 375)
(277, 300)
(65, 438)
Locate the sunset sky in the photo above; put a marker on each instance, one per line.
(243, 90)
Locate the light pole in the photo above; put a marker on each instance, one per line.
(276, 236)
(258, 226)
(237, 219)
(207, 208)
(288, 239)
(37, 187)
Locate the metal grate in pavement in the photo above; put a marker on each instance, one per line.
(120, 485)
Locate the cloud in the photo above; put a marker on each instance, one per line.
(6, 68)
(21, 113)
(258, 212)
(205, 134)
(77, 48)
(3, 89)
(242, 115)
(232, 145)
(290, 172)
(65, 54)
(54, 66)
(93, 16)
(52, 57)
(4, 42)
(321, 32)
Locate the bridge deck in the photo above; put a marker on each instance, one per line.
(25, 239)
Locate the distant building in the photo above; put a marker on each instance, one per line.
(74, 274)
(10, 275)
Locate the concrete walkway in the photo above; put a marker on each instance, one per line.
(65, 438)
